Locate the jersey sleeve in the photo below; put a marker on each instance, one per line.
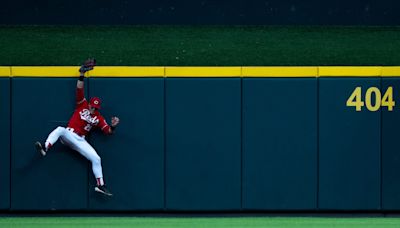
(80, 97)
(103, 125)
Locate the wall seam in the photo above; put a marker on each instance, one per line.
(165, 141)
(10, 141)
(242, 143)
(381, 152)
(318, 138)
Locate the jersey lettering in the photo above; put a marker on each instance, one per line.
(85, 115)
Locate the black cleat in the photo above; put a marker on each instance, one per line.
(40, 148)
(103, 190)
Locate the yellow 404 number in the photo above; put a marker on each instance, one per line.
(355, 99)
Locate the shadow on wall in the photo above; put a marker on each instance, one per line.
(201, 12)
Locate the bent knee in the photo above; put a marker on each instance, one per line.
(60, 129)
(96, 159)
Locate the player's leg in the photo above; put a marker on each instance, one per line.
(50, 141)
(84, 148)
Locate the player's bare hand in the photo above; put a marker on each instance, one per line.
(114, 121)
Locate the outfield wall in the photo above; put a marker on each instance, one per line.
(207, 139)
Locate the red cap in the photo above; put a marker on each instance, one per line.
(95, 102)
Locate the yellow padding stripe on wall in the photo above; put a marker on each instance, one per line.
(350, 71)
(169, 71)
(203, 71)
(33, 71)
(390, 71)
(127, 72)
(5, 71)
(279, 71)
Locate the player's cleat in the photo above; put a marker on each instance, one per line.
(40, 149)
(103, 190)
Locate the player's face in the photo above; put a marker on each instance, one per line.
(91, 109)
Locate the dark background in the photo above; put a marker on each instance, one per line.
(201, 12)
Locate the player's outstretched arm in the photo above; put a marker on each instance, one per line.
(88, 65)
(108, 129)
(114, 123)
(80, 83)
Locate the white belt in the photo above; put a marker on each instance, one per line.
(73, 130)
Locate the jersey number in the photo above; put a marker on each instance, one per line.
(88, 127)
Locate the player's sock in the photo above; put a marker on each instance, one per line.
(100, 181)
(47, 146)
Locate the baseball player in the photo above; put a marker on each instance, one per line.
(85, 117)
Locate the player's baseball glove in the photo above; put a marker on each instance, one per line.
(89, 64)
(114, 121)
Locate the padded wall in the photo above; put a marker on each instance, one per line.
(280, 144)
(349, 147)
(5, 143)
(203, 144)
(133, 157)
(391, 148)
(58, 180)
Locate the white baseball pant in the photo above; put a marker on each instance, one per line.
(74, 141)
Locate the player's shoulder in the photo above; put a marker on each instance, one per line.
(83, 105)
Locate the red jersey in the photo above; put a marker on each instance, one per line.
(82, 121)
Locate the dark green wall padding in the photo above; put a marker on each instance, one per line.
(60, 179)
(204, 144)
(279, 144)
(133, 157)
(390, 150)
(349, 148)
(203, 149)
(4, 143)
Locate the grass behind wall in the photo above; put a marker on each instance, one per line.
(199, 46)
